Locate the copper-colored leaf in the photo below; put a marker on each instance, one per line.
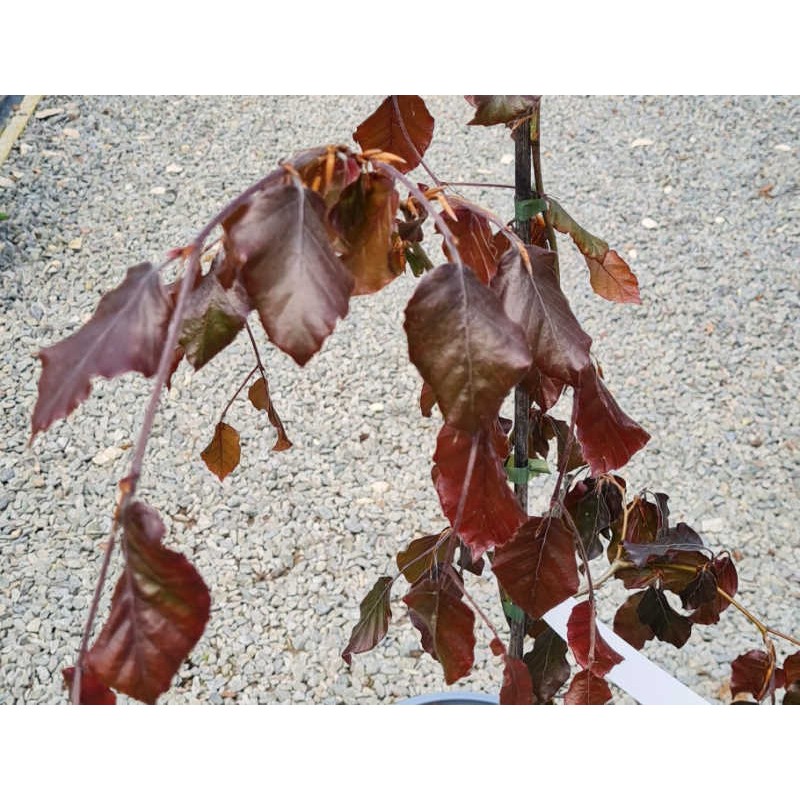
(753, 673)
(492, 514)
(373, 621)
(608, 436)
(613, 279)
(126, 333)
(292, 275)
(446, 623)
(591, 651)
(501, 109)
(259, 396)
(422, 556)
(681, 538)
(214, 316)
(533, 299)
(223, 451)
(464, 346)
(474, 239)
(547, 664)
(587, 689)
(158, 612)
(667, 624)
(628, 625)
(517, 688)
(93, 691)
(364, 218)
(327, 170)
(401, 125)
(537, 567)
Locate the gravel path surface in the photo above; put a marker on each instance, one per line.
(700, 193)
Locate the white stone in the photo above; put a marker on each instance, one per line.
(642, 142)
(713, 525)
(106, 456)
(649, 223)
(784, 148)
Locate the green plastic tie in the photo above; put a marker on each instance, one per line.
(521, 475)
(528, 209)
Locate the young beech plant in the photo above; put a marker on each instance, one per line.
(337, 221)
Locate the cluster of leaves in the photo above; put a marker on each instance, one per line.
(329, 224)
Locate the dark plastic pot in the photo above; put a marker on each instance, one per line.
(450, 699)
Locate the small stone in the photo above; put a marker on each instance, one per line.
(506, 159)
(719, 220)
(6, 183)
(379, 487)
(174, 169)
(76, 243)
(353, 525)
(34, 625)
(642, 142)
(713, 525)
(46, 113)
(158, 190)
(71, 133)
(649, 223)
(668, 190)
(106, 456)
(375, 407)
(783, 148)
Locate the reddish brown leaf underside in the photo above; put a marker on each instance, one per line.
(293, 277)
(474, 239)
(126, 333)
(517, 688)
(223, 451)
(628, 625)
(401, 125)
(537, 567)
(547, 664)
(667, 624)
(613, 279)
(422, 556)
(533, 299)
(158, 612)
(464, 346)
(587, 689)
(579, 637)
(373, 622)
(752, 673)
(93, 691)
(492, 514)
(608, 436)
(437, 608)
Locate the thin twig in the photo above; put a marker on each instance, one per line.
(238, 392)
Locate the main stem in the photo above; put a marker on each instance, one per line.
(522, 401)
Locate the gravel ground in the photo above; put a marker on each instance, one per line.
(700, 193)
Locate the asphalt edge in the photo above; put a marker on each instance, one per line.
(16, 125)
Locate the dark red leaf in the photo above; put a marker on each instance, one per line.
(791, 668)
(427, 400)
(436, 609)
(537, 567)
(259, 396)
(464, 346)
(126, 333)
(373, 621)
(642, 525)
(501, 109)
(158, 612)
(467, 562)
(591, 651)
(753, 673)
(401, 125)
(492, 514)
(608, 436)
(667, 624)
(547, 665)
(517, 689)
(422, 556)
(93, 691)
(727, 579)
(587, 689)
(544, 391)
(701, 590)
(213, 318)
(364, 217)
(628, 625)
(223, 451)
(613, 279)
(473, 239)
(292, 275)
(533, 299)
(681, 538)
